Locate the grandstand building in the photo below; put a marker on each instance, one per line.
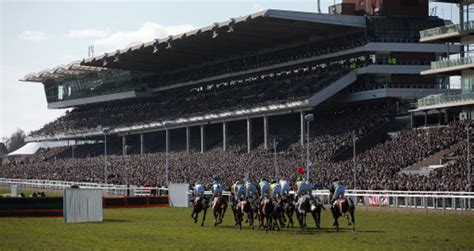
(250, 77)
(452, 63)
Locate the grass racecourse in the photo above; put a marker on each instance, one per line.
(173, 229)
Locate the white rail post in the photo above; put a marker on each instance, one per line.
(444, 205)
(426, 204)
(366, 203)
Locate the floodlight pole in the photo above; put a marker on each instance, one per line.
(354, 159)
(468, 130)
(105, 131)
(166, 154)
(275, 160)
(308, 118)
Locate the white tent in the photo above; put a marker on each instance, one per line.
(32, 147)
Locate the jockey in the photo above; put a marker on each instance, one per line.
(264, 188)
(338, 190)
(250, 191)
(216, 188)
(285, 187)
(275, 189)
(304, 188)
(239, 191)
(198, 190)
(298, 183)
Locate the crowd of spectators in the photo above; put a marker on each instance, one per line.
(377, 167)
(245, 92)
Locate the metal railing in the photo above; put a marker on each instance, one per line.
(445, 99)
(451, 63)
(444, 201)
(109, 189)
(447, 29)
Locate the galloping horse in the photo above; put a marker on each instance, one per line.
(199, 204)
(219, 206)
(343, 207)
(244, 208)
(308, 204)
(289, 208)
(278, 213)
(265, 213)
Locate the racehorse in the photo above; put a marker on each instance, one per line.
(308, 204)
(343, 207)
(199, 204)
(219, 206)
(289, 208)
(278, 213)
(265, 213)
(244, 208)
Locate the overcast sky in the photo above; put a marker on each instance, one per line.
(36, 35)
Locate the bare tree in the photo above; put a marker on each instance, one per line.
(16, 140)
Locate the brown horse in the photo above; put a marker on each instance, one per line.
(343, 207)
(219, 206)
(244, 208)
(278, 213)
(266, 213)
(199, 204)
(289, 207)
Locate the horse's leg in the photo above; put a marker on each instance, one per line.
(290, 213)
(318, 219)
(353, 220)
(203, 217)
(336, 224)
(347, 218)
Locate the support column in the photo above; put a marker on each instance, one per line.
(224, 136)
(302, 128)
(426, 118)
(142, 143)
(203, 139)
(461, 21)
(411, 120)
(439, 117)
(188, 139)
(265, 132)
(167, 140)
(249, 135)
(446, 116)
(124, 145)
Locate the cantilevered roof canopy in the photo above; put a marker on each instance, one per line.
(73, 70)
(237, 36)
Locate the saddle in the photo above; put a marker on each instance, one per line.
(342, 204)
(196, 200)
(216, 201)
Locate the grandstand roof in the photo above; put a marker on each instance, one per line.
(237, 36)
(61, 72)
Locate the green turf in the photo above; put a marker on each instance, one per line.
(29, 192)
(172, 228)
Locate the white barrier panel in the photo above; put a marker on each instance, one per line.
(178, 194)
(14, 191)
(82, 205)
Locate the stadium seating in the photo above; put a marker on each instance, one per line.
(380, 163)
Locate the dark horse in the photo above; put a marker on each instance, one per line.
(278, 213)
(244, 208)
(343, 207)
(289, 208)
(219, 206)
(308, 204)
(265, 213)
(199, 204)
